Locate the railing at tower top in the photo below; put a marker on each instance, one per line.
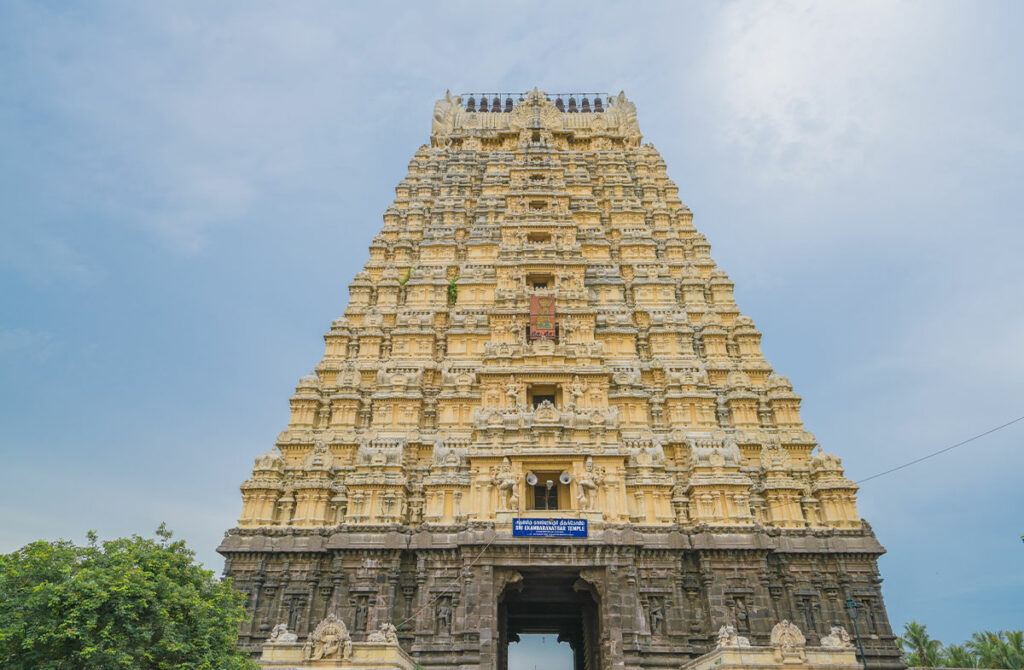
(570, 103)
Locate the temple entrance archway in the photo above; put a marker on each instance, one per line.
(551, 601)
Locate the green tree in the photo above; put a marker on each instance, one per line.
(958, 656)
(133, 603)
(1002, 649)
(921, 650)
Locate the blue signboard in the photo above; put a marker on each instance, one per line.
(549, 527)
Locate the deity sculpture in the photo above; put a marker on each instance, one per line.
(837, 638)
(512, 391)
(727, 637)
(444, 114)
(329, 640)
(657, 616)
(443, 615)
(588, 484)
(576, 391)
(508, 485)
(281, 635)
(387, 634)
(787, 636)
(362, 610)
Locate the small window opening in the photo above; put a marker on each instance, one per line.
(548, 493)
(538, 238)
(540, 399)
(538, 205)
(540, 393)
(536, 136)
(541, 282)
(544, 496)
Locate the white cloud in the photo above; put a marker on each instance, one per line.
(814, 85)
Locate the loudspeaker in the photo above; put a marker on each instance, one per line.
(565, 478)
(531, 479)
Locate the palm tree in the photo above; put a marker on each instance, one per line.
(958, 656)
(922, 650)
(1003, 649)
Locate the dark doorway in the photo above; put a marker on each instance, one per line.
(554, 602)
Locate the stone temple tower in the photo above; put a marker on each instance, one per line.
(542, 411)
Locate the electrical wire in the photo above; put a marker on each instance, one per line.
(448, 588)
(445, 591)
(940, 451)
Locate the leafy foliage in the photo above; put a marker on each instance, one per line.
(1003, 649)
(987, 649)
(453, 291)
(922, 650)
(127, 603)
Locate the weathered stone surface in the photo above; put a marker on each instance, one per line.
(539, 307)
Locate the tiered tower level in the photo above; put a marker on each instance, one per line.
(446, 388)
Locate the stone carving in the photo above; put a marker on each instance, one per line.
(656, 616)
(443, 615)
(329, 640)
(727, 637)
(588, 484)
(387, 634)
(444, 115)
(362, 612)
(320, 458)
(281, 635)
(837, 638)
(508, 486)
(448, 456)
(577, 390)
(726, 455)
(512, 390)
(787, 636)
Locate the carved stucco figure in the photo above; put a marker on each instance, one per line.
(330, 639)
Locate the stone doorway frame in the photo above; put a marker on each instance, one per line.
(582, 631)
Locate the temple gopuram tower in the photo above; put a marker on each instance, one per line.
(543, 411)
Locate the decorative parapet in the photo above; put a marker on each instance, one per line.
(787, 650)
(545, 415)
(463, 116)
(330, 647)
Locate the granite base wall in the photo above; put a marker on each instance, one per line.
(661, 596)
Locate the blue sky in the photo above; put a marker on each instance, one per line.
(186, 191)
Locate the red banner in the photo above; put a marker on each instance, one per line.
(542, 317)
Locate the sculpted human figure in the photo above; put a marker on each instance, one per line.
(576, 391)
(588, 483)
(657, 616)
(505, 480)
(329, 640)
(361, 613)
(512, 391)
(443, 615)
